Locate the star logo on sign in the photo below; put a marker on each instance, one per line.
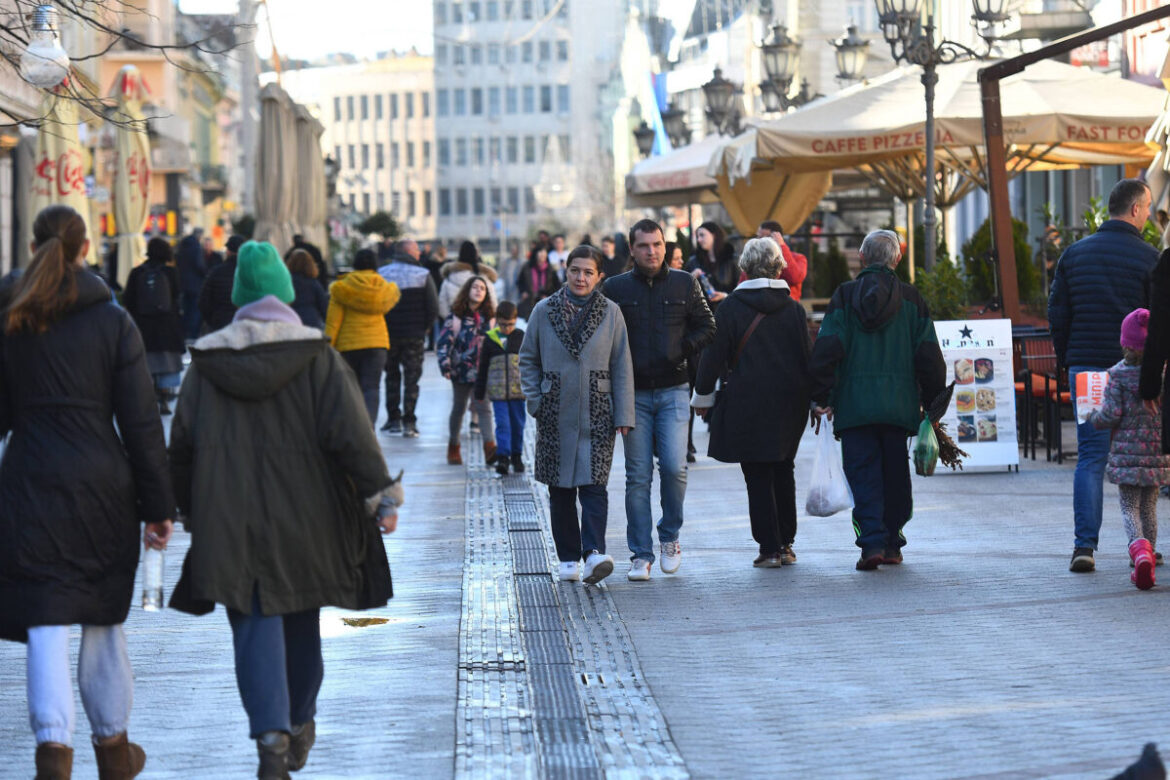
(965, 332)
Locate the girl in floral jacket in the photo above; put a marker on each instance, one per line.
(1136, 463)
(460, 341)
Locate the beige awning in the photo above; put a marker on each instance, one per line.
(61, 162)
(676, 178)
(1055, 116)
(131, 170)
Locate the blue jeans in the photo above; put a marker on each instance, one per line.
(1088, 480)
(660, 428)
(510, 417)
(877, 468)
(368, 364)
(279, 667)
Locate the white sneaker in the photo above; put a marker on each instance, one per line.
(670, 557)
(598, 566)
(570, 571)
(639, 570)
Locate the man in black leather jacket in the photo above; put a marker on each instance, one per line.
(668, 323)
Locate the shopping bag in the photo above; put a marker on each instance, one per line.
(925, 449)
(829, 492)
(1090, 393)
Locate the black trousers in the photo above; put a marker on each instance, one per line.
(771, 489)
(404, 365)
(367, 364)
(573, 541)
(877, 466)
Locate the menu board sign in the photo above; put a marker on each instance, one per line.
(982, 415)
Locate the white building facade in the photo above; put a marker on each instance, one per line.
(379, 120)
(526, 96)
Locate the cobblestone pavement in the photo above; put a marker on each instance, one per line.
(981, 657)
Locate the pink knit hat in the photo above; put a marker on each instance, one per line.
(1133, 329)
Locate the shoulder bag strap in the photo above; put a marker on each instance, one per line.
(747, 335)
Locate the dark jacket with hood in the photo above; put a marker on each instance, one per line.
(668, 322)
(418, 308)
(876, 359)
(1157, 350)
(73, 488)
(272, 452)
(161, 332)
(763, 405)
(215, 299)
(1098, 280)
(191, 263)
(311, 302)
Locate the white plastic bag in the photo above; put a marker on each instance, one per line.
(829, 492)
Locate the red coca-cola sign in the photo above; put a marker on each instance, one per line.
(70, 173)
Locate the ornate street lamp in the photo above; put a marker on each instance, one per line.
(674, 122)
(989, 16)
(781, 55)
(644, 138)
(911, 41)
(721, 95)
(852, 52)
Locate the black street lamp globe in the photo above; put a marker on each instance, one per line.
(781, 55)
(644, 138)
(897, 17)
(720, 94)
(673, 121)
(773, 96)
(989, 15)
(851, 52)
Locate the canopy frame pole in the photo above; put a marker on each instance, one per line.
(1003, 249)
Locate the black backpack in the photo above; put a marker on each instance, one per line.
(153, 291)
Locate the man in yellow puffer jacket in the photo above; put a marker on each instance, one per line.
(355, 323)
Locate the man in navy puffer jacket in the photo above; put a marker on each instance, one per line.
(1098, 281)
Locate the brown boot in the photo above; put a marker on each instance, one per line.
(454, 456)
(118, 758)
(299, 744)
(273, 749)
(54, 761)
(489, 452)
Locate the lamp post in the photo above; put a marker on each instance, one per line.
(674, 121)
(781, 55)
(911, 41)
(721, 95)
(851, 52)
(44, 63)
(644, 138)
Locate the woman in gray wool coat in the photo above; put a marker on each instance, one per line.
(577, 375)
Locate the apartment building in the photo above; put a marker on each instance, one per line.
(379, 120)
(527, 111)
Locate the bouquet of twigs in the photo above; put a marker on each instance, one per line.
(948, 452)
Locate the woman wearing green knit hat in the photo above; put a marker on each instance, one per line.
(275, 463)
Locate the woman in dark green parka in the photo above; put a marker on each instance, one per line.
(277, 469)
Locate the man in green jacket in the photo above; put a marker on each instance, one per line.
(876, 363)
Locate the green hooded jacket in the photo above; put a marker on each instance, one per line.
(876, 359)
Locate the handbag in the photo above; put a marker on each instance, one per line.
(726, 378)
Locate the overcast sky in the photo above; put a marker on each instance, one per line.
(305, 29)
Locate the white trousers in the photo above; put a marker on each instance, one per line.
(103, 675)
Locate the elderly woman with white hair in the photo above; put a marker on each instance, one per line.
(761, 358)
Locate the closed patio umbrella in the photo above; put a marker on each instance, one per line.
(60, 162)
(131, 170)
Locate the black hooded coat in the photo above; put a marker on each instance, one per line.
(73, 488)
(763, 404)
